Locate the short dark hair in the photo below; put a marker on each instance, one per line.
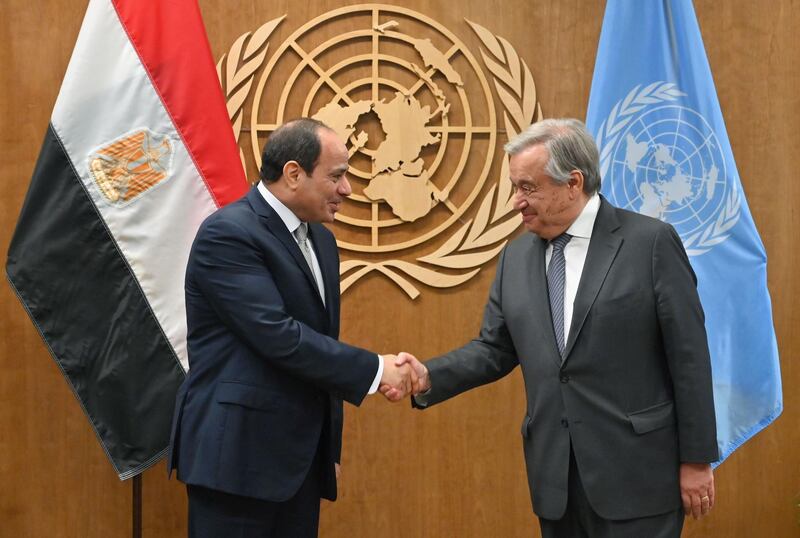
(297, 140)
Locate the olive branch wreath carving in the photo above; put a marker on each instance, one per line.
(240, 64)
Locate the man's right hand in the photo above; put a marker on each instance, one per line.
(398, 377)
(420, 372)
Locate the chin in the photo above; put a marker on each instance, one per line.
(532, 227)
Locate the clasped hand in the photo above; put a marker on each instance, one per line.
(403, 375)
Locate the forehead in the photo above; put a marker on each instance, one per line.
(333, 152)
(529, 164)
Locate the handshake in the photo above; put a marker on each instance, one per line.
(403, 375)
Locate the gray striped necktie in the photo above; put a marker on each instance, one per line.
(301, 235)
(556, 277)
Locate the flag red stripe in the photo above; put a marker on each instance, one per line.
(171, 42)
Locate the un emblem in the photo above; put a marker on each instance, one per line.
(663, 160)
(418, 116)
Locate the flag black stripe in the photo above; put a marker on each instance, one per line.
(86, 303)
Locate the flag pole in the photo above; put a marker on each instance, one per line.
(136, 509)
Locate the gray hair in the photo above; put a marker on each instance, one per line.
(570, 147)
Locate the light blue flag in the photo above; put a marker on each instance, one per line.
(664, 152)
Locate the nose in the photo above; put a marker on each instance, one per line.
(520, 202)
(344, 187)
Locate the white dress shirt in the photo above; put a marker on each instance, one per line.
(292, 223)
(575, 256)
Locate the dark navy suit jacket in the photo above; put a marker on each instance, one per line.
(267, 374)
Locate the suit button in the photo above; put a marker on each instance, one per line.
(565, 423)
(564, 378)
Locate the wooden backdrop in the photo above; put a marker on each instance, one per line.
(455, 470)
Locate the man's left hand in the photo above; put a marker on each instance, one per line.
(697, 488)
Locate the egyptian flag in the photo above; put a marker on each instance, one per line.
(138, 152)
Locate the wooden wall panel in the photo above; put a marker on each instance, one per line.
(455, 470)
(755, 58)
(54, 477)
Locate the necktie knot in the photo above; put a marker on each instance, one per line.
(561, 241)
(301, 233)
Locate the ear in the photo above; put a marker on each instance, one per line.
(291, 173)
(575, 182)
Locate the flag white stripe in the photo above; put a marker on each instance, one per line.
(105, 95)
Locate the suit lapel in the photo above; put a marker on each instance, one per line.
(603, 248)
(279, 230)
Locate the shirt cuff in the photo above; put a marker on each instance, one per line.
(420, 400)
(374, 388)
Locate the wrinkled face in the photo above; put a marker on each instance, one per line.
(547, 208)
(320, 193)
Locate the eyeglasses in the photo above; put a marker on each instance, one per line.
(528, 190)
(525, 189)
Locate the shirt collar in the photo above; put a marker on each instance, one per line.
(583, 225)
(289, 219)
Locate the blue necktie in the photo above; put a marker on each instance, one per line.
(556, 277)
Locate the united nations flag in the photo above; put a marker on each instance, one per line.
(664, 152)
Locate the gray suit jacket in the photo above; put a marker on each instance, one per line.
(633, 395)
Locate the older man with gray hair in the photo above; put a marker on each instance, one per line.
(599, 308)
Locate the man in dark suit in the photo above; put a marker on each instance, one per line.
(599, 308)
(257, 431)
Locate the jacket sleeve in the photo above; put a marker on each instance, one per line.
(682, 323)
(485, 359)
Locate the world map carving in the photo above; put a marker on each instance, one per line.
(398, 175)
